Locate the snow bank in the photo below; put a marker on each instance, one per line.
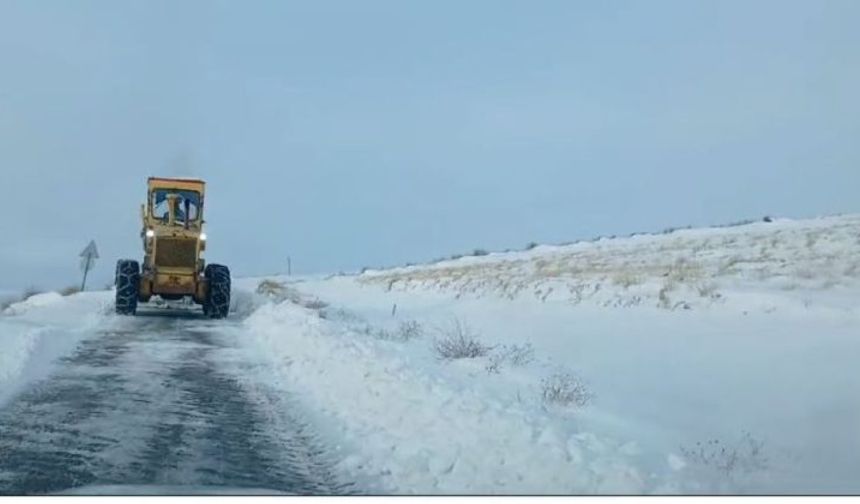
(723, 360)
(406, 424)
(16, 347)
(672, 379)
(37, 331)
(35, 301)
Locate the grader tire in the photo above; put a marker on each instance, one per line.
(127, 284)
(217, 303)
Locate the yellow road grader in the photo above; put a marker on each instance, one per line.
(173, 243)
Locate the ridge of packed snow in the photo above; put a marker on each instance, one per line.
(413, 430)
(40, 329)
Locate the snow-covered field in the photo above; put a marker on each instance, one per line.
(701, 361)
(720, 360)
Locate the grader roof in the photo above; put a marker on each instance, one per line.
(176, 183)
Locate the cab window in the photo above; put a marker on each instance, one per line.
(186, 201)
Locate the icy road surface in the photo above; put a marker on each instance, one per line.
(156, 401)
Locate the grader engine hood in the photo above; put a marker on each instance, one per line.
(176, 251)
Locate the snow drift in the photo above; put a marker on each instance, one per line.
(721, 360)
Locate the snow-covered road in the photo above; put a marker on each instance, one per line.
(154, 401)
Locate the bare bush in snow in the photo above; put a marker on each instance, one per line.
(314, 304)
(684, 270)
(744, 457)
(278, 291)
(663, 295)
(270, 287)
(728, 266)
(409, 330)
(341, 315)
(566, 389)
(707, 290)
(380, 334)
(515, 355)
(459, 342)
(406, 331)
(520, 355)
(626, 279)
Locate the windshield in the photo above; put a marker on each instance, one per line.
(187, 205)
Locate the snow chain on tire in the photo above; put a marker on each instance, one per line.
(218, 297)
(127, 283)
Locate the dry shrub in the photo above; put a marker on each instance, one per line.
(278, 291)
(729, 265)
(745, 456)
(566, 389)
(684, 271)
(707, 290)
(515, 355)
(663, 295)
(406, 331)
(459, 342)
(409, 330)
(272, 289)
(314, 304)
(626, 279)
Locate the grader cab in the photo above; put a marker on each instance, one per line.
(173, 267)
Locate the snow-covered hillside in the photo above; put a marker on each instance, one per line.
(700, 361)
(781, 259)
(721, 360)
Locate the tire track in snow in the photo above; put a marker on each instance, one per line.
(154, 404)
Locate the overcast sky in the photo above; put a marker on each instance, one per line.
(357, 133)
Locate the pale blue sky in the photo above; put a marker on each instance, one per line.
(356, 133)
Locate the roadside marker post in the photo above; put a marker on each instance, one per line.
(88, 260)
